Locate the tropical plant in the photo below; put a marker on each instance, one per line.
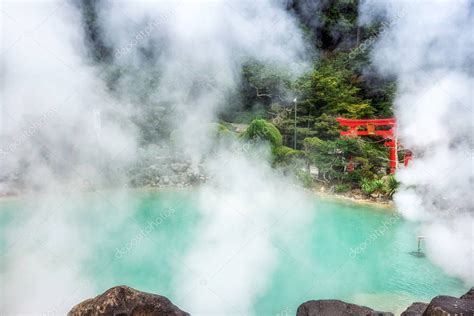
(341, 188)
(391, 185)
(370, 186)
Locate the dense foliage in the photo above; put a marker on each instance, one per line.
(340, 83)
(294, 111)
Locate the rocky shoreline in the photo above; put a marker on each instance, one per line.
(351, 199)
(389, 205)
(190, 179)
(164, 167)
(327, 191)
(126, 301)
(155, 167)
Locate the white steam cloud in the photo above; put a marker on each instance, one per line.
(61, 128)
(430, 51)
(234, 255)
(51, 98)
(203, 46)
(199, 48)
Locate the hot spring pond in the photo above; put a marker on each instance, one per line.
(354, 253)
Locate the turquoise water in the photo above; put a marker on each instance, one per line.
(354, 253)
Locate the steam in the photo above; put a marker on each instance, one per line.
(65, 128)
(430, 52)
(47, 87)
(59, 130)
(234, 254)
(199, 63)
(199, 48)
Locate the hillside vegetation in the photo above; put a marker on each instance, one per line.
(339, 83)
(296, 114)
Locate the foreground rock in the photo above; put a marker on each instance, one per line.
(439, 306)
(415, 309)
(444, 306)
(469, 295)
(125, 301)
(335, 307)
(448, 305)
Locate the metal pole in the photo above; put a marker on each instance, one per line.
(295, 123)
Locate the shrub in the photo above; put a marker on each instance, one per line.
(379, 185)
(366, 186)
(391, 185)
(260, 129)
(285, 154)
(369, 186)
(341, 188)
(221, 130)
(305, 178)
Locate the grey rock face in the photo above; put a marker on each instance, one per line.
(335, 307)
(415, 309)
(448, 305)
(469, 295)
(125, 301)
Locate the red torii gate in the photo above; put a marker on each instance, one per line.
(389, 134)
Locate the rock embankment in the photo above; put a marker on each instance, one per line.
(447, 305)
(417, 308)
(125, 301)
(335, 307)
(439, 306)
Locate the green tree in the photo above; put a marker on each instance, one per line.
(332, 158)
(264, 84)
(326, 127)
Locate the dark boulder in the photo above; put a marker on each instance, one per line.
(469, 295)
(444, 305)
(125, 301)
(415, 309)
(448, 305)
(335, 307)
